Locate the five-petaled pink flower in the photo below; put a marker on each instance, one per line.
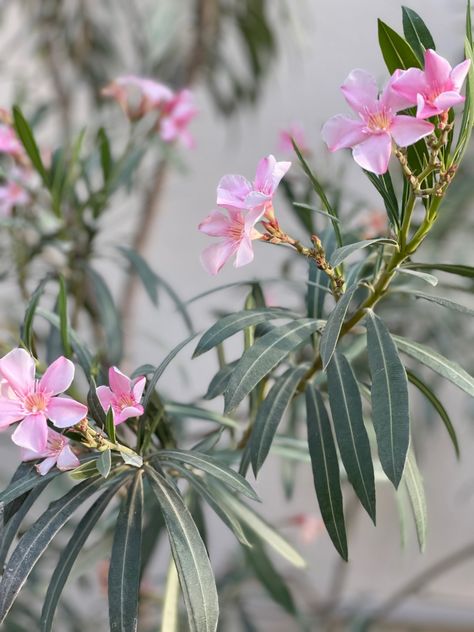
(33, 401)
(370, 136)
(123, 396)
(176, 115)
(138, 95)
(57, 452)
(238, 231)
(237, 192)
(434, 90)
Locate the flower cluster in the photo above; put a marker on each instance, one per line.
(246, 204)
(123, 396)
(138, 96)
(433, 91)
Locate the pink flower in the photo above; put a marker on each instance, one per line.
(238, 232)
(138, 95)
(371, 136)
(434, 90)
(294, 131)
(9, 143)
(177, 113)
(123, 396)
(57, 452)
(237, 192)
(31, 401)
(11, 195)
(309, 526)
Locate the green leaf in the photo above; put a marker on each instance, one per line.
(194, 412)
(450, 268)
(106, 160)
(36, 539)
(124, 570)
(84, 471)
(308, 207)
(110, 425)
(190, 556)
(271, 413)
(267, 352)
(384, 186)
(27, 327)
(104, 463)
(438, 363)
(220, 380)
(427, 278)
(325, 466)
(28, 141)
(231, 324)
(95, 407)
(333, 326)
(339, 255)
(109, 316)
(417, 33)
(130, 457)
(71, 551)
(348, 421)
(170, 611)
(144, 272)
(439, 300)
(396, 51)
(63, 317)
(414, 484)
(389, 391)
(467, 121)
(211, 466)
(438, 406)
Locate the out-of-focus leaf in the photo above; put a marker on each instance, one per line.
(439, 300)
(170, 613)
(313, 209)
(27, 327)
(145, 273)
(109, 317)
(194, 412)
(106, 160)
(340, 254)
(220, 380)
(28, 141)
(384, 186)
(450, 268)
(416, 33)
(414, 484)
(267, 352)
(63, 317)
(333, 326)
(389, 392)
(348, 421)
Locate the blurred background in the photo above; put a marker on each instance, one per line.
(257, 68)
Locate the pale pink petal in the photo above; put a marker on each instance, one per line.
(360, 90)
(58, 377)
(409, 83)
(44, 467)
(67, 460)
(257, 200)
(341, 132)
(407, 130)
(447, 100)
(437, 68)
(105, 397)
(216, 224)
(118, 381)
(126, 413)
(269, 174)
(65, 412)
(459, 74)
(391, 98)
(244, 254)
(251, 218)
(374, 153)
(425, 109)
(11, 410)
(32, 433)
(138, 388)
(215, 256)
(31, 455)
(232, 191)
(187, 139)
(169, 130)
(18, 368)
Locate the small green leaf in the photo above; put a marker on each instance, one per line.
(339, 255)
(104, 463)
(63, 317)
(308, 207)
(427, 278)
(106, 160)
(450, 268)
(194, 412)
(145, 273)
(267, 352)
(389, 391)
(325, 469)
(124, 570)
(333, 326)
(417, 33)
(84, 471)
(384, 186)
(396, 51)
(220, 380)
(439, 300)
(110, 425)
(109, 316)
(348, 421)
(130, 457)
(27, 327)
(414, 484)
(28, 141)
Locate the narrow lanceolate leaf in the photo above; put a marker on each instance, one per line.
(143, 270)
(325, 467)
(439, 300)
(389, 393)
(416, 493)
(27, 326)
(124, 570)
(63, 317)
(170, 613)
(340, 254)
(384, 186)
(423, 276)
(28, 141)
(34, 542)
(354, 447)
(333, 326)
(438, 363)
(438, 406)
(231, 324)
(450, 268)
(270, 414)
(190, 556)
(195, 412)
(219, 382)
(416, 33)
(396, 51)
(211, 466)
(70, 553)
(104, 463)
(265, 355)
(108, 315)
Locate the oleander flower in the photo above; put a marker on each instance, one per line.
(237, 192)
(57, 452)
(237, 230)
(370, 136)
(435, 89)
(33, 401)
(123, 395)
(176, 115)
(294, 132)
(9, 143)
(12, 194)
(138, 95)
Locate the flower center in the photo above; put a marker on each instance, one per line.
(125, 400)
(380, 121)
(435, 90)
(236, 229)
(35, 402)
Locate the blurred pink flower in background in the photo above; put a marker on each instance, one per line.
(9, 143)
(309, 526)
(177, 114)
(123, 396)
(372, 223)
(57, 452)
(31, 401)
(293, 131)
(370, 135)
(434, 90)
(11, 195)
